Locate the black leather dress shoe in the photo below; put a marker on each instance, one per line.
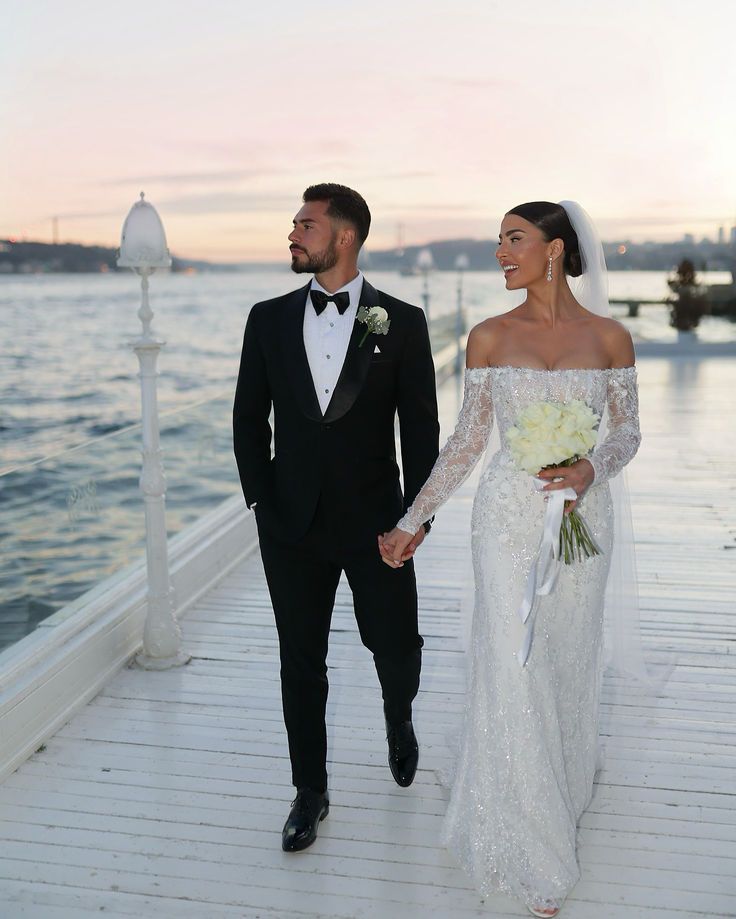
(403, 752)
(307, 810)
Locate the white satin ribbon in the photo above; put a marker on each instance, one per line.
(545, 567)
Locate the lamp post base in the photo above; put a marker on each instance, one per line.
(146, 662)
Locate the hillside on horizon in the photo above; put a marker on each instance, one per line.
(29, 257)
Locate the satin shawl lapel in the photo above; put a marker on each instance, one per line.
(295, 355)
(357, 362)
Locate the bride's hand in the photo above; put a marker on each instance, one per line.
(397, 547)
(579, 477)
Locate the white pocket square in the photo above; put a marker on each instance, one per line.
(376, 350)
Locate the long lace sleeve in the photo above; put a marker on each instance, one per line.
(623, 436)
(461, 452)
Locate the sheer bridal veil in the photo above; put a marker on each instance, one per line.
(623, 647)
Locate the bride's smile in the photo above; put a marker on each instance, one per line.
(523, 252)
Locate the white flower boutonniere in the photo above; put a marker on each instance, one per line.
(375, 320)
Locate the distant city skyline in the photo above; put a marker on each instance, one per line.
(724, 237)
(442, 116)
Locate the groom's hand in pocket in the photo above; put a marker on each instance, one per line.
(399, 546)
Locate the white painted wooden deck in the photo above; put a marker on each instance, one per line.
(166, 795)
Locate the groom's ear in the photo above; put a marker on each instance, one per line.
(346, 237)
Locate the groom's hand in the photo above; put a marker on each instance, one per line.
(399, 546)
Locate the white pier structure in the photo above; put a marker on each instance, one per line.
(164, 795)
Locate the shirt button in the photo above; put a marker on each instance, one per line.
(332, 325)
(328, 357)
(327, 390)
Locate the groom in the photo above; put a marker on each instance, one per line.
(335, 378)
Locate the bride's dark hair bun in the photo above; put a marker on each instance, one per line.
(554, 223)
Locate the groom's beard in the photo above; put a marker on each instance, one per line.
(315, 263)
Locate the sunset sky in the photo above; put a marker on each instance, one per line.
(443, 114)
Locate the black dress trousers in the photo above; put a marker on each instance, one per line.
(302, 580)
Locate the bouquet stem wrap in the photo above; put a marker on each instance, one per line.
(544, 568)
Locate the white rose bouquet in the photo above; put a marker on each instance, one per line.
(375, 320)
(548, 435)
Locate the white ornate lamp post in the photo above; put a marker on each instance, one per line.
(143, 248)
(462, 263)
(425, 263)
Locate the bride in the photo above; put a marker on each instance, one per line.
(528, 753)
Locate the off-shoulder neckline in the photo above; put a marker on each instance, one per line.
(553, 369)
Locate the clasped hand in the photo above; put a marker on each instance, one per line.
(398, 546)
(579, 477)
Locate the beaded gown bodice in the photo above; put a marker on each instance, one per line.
(528, 751)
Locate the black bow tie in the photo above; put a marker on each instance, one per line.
(320, 300)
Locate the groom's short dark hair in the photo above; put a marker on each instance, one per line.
(343, 204)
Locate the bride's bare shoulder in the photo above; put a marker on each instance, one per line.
(617, 340)
(484, 338)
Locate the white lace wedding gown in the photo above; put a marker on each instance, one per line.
(525, 765)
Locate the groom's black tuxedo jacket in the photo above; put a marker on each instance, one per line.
(346, 456)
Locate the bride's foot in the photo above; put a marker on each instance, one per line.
(544, 912)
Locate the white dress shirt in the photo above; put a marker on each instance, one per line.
(326, 338)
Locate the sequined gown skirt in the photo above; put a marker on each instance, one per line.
(528, 752)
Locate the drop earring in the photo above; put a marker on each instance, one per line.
(549, 269)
